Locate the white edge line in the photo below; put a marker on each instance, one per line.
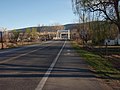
(4, 61)
(20, 48)
(45, 77)
(17, 56)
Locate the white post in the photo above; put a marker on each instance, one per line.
(68, 34)
(57, 35)
(60, 35)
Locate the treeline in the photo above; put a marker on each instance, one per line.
(94, 32)
(29, 35)
(100, 19)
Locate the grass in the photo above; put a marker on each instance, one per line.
(100, 65)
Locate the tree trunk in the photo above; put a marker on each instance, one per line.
(118, 36)
(118, 28)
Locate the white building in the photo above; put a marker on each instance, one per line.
(116, 41)
(63, 34)
(109, 42)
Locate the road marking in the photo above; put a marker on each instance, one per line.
(17, 56)
(4, 61)
(45, 77)
(24, 47)
(11, 50)
(68, 50)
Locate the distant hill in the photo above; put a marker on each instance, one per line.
(71, 26)
(50, 28)
(43, 28)
(55, 28)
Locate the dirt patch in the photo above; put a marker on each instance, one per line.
(115, 84)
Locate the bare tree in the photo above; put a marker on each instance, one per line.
(15, 36)
(34, 34)
(109, 9)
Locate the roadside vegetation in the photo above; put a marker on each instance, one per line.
(101, 66)
(99, 24)
(26, 36)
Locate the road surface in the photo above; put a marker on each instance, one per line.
(52, 65)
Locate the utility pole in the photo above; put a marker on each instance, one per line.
(1, 39)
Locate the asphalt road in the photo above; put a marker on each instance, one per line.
(53, 65)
